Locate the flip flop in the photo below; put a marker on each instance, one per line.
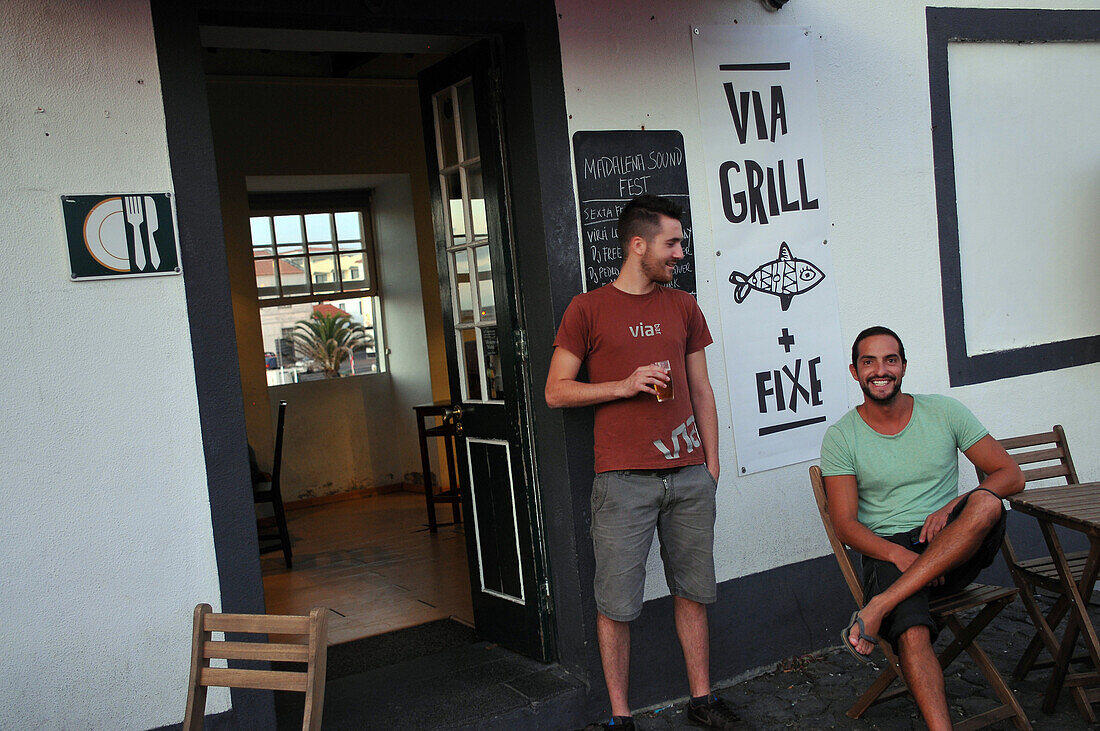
(856, 619)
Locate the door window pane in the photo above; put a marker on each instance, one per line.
(448, 135)
(491, 353)
(453, 191)
(477, 201)
(469, 121)
(467, 341)
(485, 296)
(461, 261)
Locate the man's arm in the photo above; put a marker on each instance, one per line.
(844, 512)
(702, 403)
(564, 390)
(1003, 477)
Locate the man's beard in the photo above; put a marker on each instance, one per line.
(888, 398)
(656, 271)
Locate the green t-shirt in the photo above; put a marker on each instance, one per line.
(902, 478)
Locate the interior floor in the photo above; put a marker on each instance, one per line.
(374, 563)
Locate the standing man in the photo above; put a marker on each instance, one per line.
(891, 472)
(656, 445)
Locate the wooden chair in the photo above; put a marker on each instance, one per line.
(1039, 573)
(310, 681)
(989, 600)
(267, 491)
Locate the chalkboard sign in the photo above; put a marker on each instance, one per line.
(614, 167)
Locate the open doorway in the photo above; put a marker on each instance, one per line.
(326, 207)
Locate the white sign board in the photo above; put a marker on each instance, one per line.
(777, 298)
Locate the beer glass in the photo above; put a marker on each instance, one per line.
(665, 391)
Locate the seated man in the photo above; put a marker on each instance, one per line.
(892, 476)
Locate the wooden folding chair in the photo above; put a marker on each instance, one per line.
(1050, 452)
(310, 681)
(989, 600)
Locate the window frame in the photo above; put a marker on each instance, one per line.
(305, 203)
(949, 25)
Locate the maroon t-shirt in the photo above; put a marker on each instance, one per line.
(613, 333)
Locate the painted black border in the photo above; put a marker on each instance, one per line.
(213, 339)
(970, 24)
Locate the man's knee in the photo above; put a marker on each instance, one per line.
(984, 508)
(915, 637)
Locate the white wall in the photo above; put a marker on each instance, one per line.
(627, 65)
(1025, 159)
(105, 537)
(403, 315)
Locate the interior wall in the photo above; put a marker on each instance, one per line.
(291, 129)
(879, 173)
(106, 541)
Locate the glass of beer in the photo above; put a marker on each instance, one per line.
(665, 391)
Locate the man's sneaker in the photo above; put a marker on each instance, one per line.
(617, 723)
(714, 714)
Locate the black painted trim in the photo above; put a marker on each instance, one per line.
(213, 341)
(947, 25)
(544, 219)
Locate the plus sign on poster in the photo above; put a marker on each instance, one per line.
(776, 290)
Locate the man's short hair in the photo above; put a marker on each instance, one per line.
(876, 330)
(642, 217)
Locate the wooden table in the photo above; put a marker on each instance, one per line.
(445, 430)
(1076, 507)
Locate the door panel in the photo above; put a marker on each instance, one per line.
(461, 112)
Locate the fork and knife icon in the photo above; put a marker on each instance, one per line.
(136, 215)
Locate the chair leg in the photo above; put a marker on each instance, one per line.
(196, 692)
(873, 693)
(456, 507)
(1044, 635)
(985, 665)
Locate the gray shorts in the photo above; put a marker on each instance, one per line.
(626, 506)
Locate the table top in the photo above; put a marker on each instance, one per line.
(435, 408)
(1074, 506)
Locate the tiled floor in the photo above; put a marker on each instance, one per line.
(373, 561)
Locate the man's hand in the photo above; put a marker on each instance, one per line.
(935, 523)
(904, 558)
(644, 379)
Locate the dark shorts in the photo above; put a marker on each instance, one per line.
(626, 506)
(878, 575)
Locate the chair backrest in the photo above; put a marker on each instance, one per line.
(1044, 447)
(314, 653)
(277, 462)
(839, 549)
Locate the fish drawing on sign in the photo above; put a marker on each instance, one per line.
(784, 277)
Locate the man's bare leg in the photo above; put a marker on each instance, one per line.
(955, 543)
(614, 640)
(924, 676)
(691, 627)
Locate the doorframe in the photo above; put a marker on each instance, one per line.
(545, 260)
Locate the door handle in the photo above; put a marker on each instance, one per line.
(453, 415)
